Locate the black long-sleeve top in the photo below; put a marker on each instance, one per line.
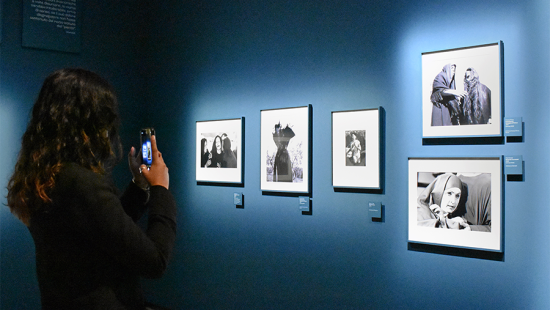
(90, 253)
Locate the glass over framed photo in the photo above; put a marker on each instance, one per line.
(356, 149)
(285, 149)
(219, 151)
(456, 202)
(461, 92)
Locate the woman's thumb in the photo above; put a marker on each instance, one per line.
(144, 171)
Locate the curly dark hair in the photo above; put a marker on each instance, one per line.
(75, 119)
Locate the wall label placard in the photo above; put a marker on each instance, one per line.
(52, 25)
(513, 165)
(303, 203)
(513, 127)
(238, 199)
(375, 209)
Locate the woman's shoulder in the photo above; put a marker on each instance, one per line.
(74, 170)
(73, 175)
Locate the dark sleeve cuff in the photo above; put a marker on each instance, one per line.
(133, 201)
(162, 202)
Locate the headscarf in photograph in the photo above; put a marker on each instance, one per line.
(432, 194)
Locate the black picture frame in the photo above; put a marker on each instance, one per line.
(474, 221)
(467, 103)
(285, 144)
(225, 165)
(356, 155)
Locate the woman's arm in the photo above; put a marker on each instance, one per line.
(96, 212)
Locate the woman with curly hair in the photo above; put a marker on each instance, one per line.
(90, 252)
(216, 157)
(477, 104)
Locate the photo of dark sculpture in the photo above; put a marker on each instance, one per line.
(285, 164)
(460, 201)
(470, 106)
(355, 148)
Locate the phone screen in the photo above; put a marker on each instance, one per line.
(146, 151)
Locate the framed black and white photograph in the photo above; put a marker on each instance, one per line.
(219, 151)
(356, 149)
(285, 149)
(461, 92)
(456, 202)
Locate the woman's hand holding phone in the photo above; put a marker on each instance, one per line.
(157, 174)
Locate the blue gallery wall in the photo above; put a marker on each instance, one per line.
(177, 62)
(217, 61)
(113, 44)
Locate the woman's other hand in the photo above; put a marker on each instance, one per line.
(134, 162)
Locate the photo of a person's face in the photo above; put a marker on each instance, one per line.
(468, 74)
(218, 145)
(450, 199)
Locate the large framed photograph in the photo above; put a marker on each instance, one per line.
(461, 92)
(219, 151)
(356, 149)
(456, 202)
(285, 149)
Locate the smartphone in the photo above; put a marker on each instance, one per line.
(146, 151)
